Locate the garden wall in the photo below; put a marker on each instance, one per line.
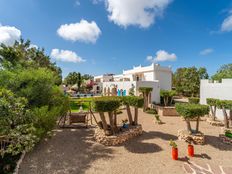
(209, 89)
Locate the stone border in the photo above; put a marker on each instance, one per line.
(198, 139)
(225, 139)
(167, 111)
(217, 123)
(117, 139)
(16, 171)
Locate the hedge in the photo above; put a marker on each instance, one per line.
(227, 104)
(145, 89)
(106, 104)
(191, 110)
(194, 100)
(133, 101)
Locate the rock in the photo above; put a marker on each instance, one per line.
(119, 138)
(197, 138)
(215, 122)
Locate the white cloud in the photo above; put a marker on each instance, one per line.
(33, 46)
(66, 56)
(206, 51)
(227, 24)
(135, 12)
(83, 31)
(162, 56)
(77, 3)
(9, 34)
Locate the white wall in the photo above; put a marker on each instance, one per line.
(165, 79)
(221, 91)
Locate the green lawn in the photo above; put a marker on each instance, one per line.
(75, 104)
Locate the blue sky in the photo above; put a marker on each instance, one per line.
(107, 36)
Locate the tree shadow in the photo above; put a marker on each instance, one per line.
(217, 143)
(69, 151)
(139, 144)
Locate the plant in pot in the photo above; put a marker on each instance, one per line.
(190, 147)
(174, 150)
(124, 123)
(228, 133)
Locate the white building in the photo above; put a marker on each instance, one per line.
(153, 76)
(210, 89)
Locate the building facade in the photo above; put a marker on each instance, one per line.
(130, 81)
(210, 89)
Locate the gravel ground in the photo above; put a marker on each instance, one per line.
(73, 151)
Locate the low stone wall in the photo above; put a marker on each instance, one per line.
(167, 111)
(215, 122)
(198, 138)
(119, 138)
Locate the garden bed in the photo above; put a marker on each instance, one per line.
(124, 135)
(198, 138)
(166, 110)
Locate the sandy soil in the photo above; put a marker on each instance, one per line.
(73, 151)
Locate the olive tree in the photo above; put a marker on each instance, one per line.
(109, 105)
(167, 96)
(213, 106)
(136, 102)
(191, 111)
(145, 91)
(226, 105)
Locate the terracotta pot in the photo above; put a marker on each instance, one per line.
(175, 153)
(190, 150)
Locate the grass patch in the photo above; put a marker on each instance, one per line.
(75, 104)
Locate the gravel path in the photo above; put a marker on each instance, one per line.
(75, 152)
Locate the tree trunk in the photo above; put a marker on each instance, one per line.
(214, 113)
(129, 114)
(226, 122)
(211, 110)
(110, 114)
(136, 116)
(103, 119)
(115, 118)
(197, 124)
(188, 126)
(230, 117)
(145, 103)
(165, 101)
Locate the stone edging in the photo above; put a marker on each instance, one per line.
(120, 138)
(215, 122)
(225, 139)
(198, 139)
(16, 171)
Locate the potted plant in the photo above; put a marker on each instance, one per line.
(228, 133)
(174, 150)
(124, 123)
(190, 147)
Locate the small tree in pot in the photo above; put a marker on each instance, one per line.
(167, 96)
(191, 111)
(136, 102)
(213, 106)
(146, 91)
(109, 105)
(226, 105)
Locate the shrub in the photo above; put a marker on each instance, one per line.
(189, 111)
(151, 111)
(106, 104)
(194, 100)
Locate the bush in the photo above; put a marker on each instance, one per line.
(194, 100)
(192, 110)
(212, 101)
(224, 105)
(133, 101)
(106, 104)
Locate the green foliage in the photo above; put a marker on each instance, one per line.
(191, 110)
(173, 144)
(34, 84)
(187, 80)
(132, 91)
(22, 138)
(212, 101)
(13, 111)
(151, 111)
(226, 104)
(74, 78)
(145, 90)
(133, 101)
(194, 100)
(106, 104)
(223, 73)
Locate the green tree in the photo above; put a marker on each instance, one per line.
(224, 71)
(187, 80)
(87, 77)
(71, 79)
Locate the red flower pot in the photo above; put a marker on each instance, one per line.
(175, 153)
(190, 150)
